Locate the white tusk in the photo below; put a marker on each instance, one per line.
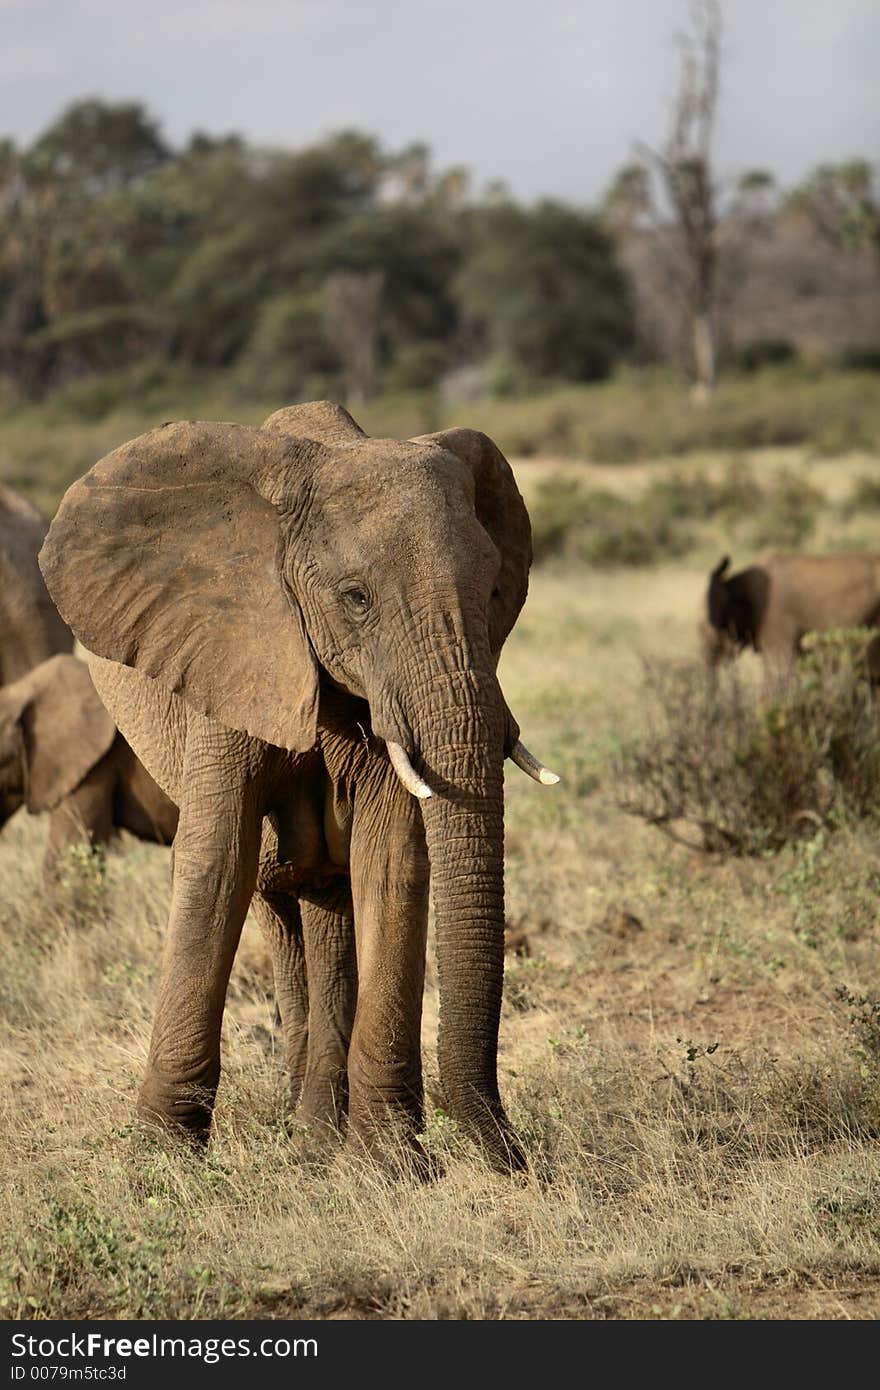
(529, 763)
(407, 773)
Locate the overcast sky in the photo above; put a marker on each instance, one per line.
(549, 95)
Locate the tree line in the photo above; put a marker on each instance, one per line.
(339, 269)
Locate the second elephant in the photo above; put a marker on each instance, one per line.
(61, 752)
(771, 606)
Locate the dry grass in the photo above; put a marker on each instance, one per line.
(700, 1107)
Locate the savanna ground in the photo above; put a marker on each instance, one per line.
(700, 1106)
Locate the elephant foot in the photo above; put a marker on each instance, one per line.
(503, 1152)
(323, 1103)
(316, 1146)
(184, 1120)
(494, 1137)
(317, 1136)
(394, 1150)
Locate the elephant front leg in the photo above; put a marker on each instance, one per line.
(389, 874)
(215, 865)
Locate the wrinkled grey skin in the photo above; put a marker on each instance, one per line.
(769, 607)
(265, 609)
(31, 628)
(60, 753)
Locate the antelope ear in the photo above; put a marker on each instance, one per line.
(65, 729)
(501, 512)
(167, 557)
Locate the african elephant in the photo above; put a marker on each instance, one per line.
(771, 606)
(31, 629)
(60, 752)
(298, 628)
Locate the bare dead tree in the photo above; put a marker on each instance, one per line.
(685, 169)
(352, 305)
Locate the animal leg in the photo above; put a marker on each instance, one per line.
(389, 869)
(280, 918)
(215, 866)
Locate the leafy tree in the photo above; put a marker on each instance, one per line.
(340, 264)
(288, 354)
(97, 147)
(252, 225)
(843, 204)
(418, 254)
(545, 288)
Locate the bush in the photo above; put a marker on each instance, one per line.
(789, 512)
(693, 496)
(286, 347)
(417, 367)
(542, 287)
(864, 496)
(601, 528)
(860, 357)
(762, 352)
(752, 774)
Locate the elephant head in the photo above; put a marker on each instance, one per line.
(53, 730)
(735, 608)
(249, 569)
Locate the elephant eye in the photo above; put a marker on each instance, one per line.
(357, 599)
(496, 592)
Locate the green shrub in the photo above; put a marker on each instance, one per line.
(864, 496)
(601, 528)
(286, 346)
(860, 357)
(694, 496)
(762, 352)
(752, 774)
(639, 414)
(789, 512)
(417, 367)
(604, 528)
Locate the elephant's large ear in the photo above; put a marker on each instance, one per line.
(501, 511)
(65, 729)
(167, 557)
(716, 594)
(749, 593)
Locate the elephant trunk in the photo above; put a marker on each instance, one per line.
(462, 759)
